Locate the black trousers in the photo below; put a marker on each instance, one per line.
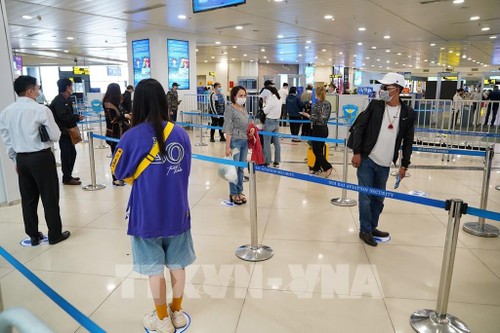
(284, 115)
(68, 157)
(295, 127)
(306, 127)
(37, 176)
(112, 146)
(493, 106)
(319, 148)
(217, 122)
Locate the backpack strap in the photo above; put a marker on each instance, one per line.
(151, 155)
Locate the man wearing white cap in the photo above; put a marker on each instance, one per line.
(376, 138)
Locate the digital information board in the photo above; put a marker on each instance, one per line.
(204, 5)
(142, 60)
(178, 63)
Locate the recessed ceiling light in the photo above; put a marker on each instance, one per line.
(307, 47)
(426, 60)
(197, 50)
(399, 53)
(235, 47)
(493, 37)
(328, 17)
(217, 42)
(265, 57)
(262, 50)
(341, 53)
(442, 48)
(433, 62)
(373, 65)
(300, 55)
(474, 18)
(281, 59)
(182, 17)
(485, 29)
(233, 59)
(469, 58)
(387, 37)
(267, 61)
(245, 55)
(388, 62)
(280, 36)
(66, 51)
(27, 17)
(70, 38)
(378, 59)
(433, 44)
(316, 57)
(458, 1)
(34, 44)
(323, 50)
(374, 47)
(367, 58)
(308, 41)
(205, 60)
(329, 59)
(212, 57)
(354, 56)
(361, 28)
(450, 51)
(457, 54)
(238, 27)
(225, 52)
(251, 60)
(360, 43)
(387, 51)
(397, 63)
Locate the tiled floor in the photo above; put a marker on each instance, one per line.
(321, 278)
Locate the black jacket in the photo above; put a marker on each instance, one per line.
(62, 109)
(366, 128)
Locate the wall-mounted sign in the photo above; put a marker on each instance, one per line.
(142, 60)
(211, 73)
(178, 63)
(81, 70)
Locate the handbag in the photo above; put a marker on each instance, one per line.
(44, 136)
(150, 157)
(74, 134)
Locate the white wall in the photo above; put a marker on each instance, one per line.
(9, 191)
(323, 74)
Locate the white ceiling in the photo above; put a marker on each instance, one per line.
(99, 29)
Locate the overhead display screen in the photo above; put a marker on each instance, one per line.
(205, 5)
(178, 63)
(142, 60)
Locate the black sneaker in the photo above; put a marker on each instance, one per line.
(367, 238)
(223, 139)
(378, 233)
(212, 140)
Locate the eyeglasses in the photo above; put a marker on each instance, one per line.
(385, 88)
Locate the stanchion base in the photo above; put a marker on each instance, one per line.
(254, 253)
(427, 321)
(487, 230)
(343, 202)
(93, 188)
(497, 187)
(201, 144)
(101, 147)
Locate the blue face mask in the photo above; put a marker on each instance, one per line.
(385, 95)
(219, 89)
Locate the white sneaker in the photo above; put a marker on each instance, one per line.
(153, 323)
(178, 318)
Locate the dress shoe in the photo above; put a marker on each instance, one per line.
(378, 233)
(76, 178)
(36, 240)
(64, 236)
(72, 181)
(222, 139)
(212, 140)
(367, 238)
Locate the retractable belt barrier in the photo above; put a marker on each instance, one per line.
(465, 133)
(52, 294)
(450, 151)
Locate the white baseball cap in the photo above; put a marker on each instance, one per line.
(393, 78)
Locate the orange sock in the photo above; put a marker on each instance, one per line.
(161, 311)
(176, 304)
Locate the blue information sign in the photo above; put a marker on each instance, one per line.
(178, 63)
(204, 5)
(142, 60)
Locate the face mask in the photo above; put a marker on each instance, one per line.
(385, 95)
(241, 100)
(219, 89)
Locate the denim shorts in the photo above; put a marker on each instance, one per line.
(150, 255)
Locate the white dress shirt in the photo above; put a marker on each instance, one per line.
(283, 95)
(19, 127)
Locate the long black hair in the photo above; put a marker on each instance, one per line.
(273, 91)
(112, 95)
(150, 105)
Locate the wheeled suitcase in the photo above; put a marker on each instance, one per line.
(311, 159)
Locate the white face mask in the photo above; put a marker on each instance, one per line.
(385, 95)
(241, 100)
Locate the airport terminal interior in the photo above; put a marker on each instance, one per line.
(321, 277)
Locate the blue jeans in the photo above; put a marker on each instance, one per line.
(371, 174)
(242, 145)
(272, 125)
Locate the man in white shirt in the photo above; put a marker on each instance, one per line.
(376, 138)
(21, 130)
(457, 106)
(283, 92)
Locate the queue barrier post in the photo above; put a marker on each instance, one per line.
(425, 320)
(93, 186)
(344, 201)
(480, 228)
(253, 251)
(101, 146)
(201, 143)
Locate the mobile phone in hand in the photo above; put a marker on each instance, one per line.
(398, 180)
